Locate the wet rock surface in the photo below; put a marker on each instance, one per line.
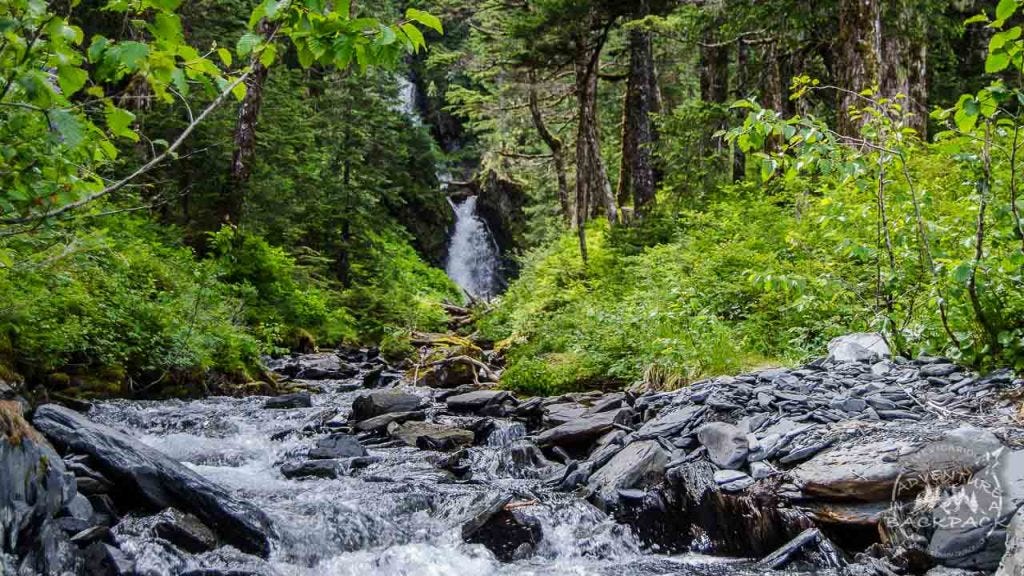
(858, 462)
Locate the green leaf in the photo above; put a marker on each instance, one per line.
(131, 54)
(415, 36)
(977, 18)
(239, 91)
(225, 56)
(71, 79)
(1005, 9)
(119, 122)
(247, 43)
(428, 20)
(268, 55)
(68, 126)
(996, 62)
(167, 27)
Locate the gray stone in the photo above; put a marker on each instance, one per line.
(639, 464)
(312, 468)
(1012, 563)
(144, 474)
(726, 444)
(378, 423)
(854, 470)
(428, 435)
(938, 370)
(184, 531)
(732, 480)
(476, 401)
(762, 470)
(858, 347)
(510, 534)
(337, 446)
(585, 429)
(286, 401)
(383, 402)
(671, 423)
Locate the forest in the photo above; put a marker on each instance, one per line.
(676, 189)
(495, 287)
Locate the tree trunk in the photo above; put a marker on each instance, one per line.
(905, 67)
(592, 186)
(233, 198)
(714, 68)
(638, 177)
(554, 143)
(858, 58)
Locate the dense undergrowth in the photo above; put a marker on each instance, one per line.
(122, 307)
(765, 273)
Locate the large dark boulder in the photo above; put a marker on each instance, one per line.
(584, 430)
(34, 487)
(147, 478)
(640, 464)
(383, 402)
(509, 533)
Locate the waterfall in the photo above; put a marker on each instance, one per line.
(472, 253)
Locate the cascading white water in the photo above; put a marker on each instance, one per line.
(472, 254)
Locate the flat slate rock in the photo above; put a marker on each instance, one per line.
(148, 476)
(286, 401)
(431, 436)
(478, 400)
(858, 471)
(383, 402)
(726, 444)
(337, 446)
(584, 429)
(639, 464)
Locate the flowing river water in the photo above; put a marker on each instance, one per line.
(399, 516)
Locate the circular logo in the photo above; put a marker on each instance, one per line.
(945, 492)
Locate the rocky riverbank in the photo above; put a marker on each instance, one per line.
(855, 462)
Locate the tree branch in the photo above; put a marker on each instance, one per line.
(142, 169)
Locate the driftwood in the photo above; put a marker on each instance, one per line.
(484, 369)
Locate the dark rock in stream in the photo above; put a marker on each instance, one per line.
(147, 477)
(337, 446)
(287, 401)
(430, 436)
(510, 534)
(34, 488)
(585, 429)
(383, 402)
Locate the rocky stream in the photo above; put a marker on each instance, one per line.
(856, 463)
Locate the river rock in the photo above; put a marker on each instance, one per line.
(286, 401)
(726, 444)
(383, 402)
(337, 446)
(184, 531)
(102, 559)
(561, 413)
(810, 546)
(969, 525)
(671, 423)
(858, 347)
(854, 470)
(146, 476)
(328, 468)
(378, 423)
(508, 534)
(1012, 563)
(585, 429)
(639, 464)
(34, 487)
(733, 480)
(431, 436)
(479, 401)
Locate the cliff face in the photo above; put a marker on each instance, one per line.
(501, 204)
